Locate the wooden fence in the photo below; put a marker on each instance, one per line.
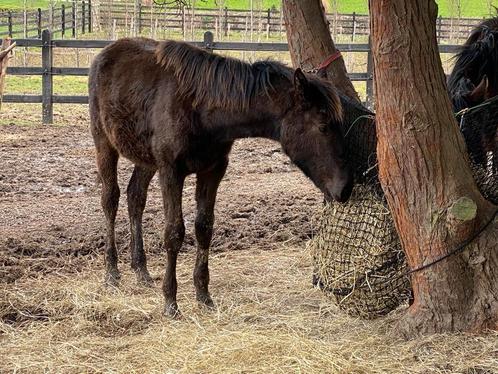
(137, 17)
(68, 19)
(134, 18)
(48, 71)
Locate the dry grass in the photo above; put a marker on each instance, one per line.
(269, 319)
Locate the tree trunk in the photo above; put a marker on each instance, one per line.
(310, 42)
(424, 171)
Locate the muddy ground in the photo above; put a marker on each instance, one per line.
(50, 216)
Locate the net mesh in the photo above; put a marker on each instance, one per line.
(356, 251)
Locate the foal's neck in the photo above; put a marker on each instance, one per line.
(263, 119)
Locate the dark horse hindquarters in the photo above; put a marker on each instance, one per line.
(174, 108)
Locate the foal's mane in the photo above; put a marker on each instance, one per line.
(477, 57)
(223, 82)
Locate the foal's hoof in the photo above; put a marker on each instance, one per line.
(112, 278)
(144, 278)
(171, 310)
(206, 301)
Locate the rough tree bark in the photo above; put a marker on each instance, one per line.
(425, 174)
(310, 42)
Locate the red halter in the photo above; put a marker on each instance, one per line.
(325, 64)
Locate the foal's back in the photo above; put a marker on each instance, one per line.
(128, 94)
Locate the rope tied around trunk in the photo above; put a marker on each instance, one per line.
(459, 248)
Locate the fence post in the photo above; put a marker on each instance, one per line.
(25, 23)
(208, 41)
(39, 22)
(89, 16)
(139, 19)
(225, 25)
(83, 17)
(63, 20)
(268, 20)
(51, 17)
(73, 16)
(183, 22)
(9, 20)
(354, 27)
(47, 79)
(370, 77)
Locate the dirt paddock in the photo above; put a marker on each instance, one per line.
(56, 316)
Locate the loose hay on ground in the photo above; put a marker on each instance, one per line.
(269, 319)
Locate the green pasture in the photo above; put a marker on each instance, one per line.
(469, 8)
(31, 85)
(19, 4)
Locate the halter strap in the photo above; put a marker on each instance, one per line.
(325, 64)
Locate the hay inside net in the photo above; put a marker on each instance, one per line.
(356, 252)
(357, 256)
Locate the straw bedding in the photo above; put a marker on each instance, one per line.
(268, 320)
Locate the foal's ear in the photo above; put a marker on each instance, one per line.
(300, 82)
(481, 92)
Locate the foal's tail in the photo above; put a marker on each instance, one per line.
(93, 99)
(106, 154)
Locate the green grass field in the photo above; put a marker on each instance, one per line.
(18, 4)
(470, 8)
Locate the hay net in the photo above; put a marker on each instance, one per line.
(479, 127)
(356, 252)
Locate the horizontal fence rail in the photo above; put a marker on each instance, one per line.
(48, 71)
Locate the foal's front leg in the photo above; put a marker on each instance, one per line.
(206, 188)
(172, 186)
(137, 197)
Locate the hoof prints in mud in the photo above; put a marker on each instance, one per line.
(39, 255)
(51, 220)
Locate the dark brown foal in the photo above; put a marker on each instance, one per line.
(176, 109)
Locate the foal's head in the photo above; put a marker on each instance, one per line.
(467, 95)
(475, 75)
(312, 137)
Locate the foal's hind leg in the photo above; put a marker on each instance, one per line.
(137, 196)
(107, 162)
(207, 186)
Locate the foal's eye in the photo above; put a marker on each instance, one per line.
(323, 128)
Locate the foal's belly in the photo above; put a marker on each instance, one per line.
(204, 157)
(154, 146)
(133, 144)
